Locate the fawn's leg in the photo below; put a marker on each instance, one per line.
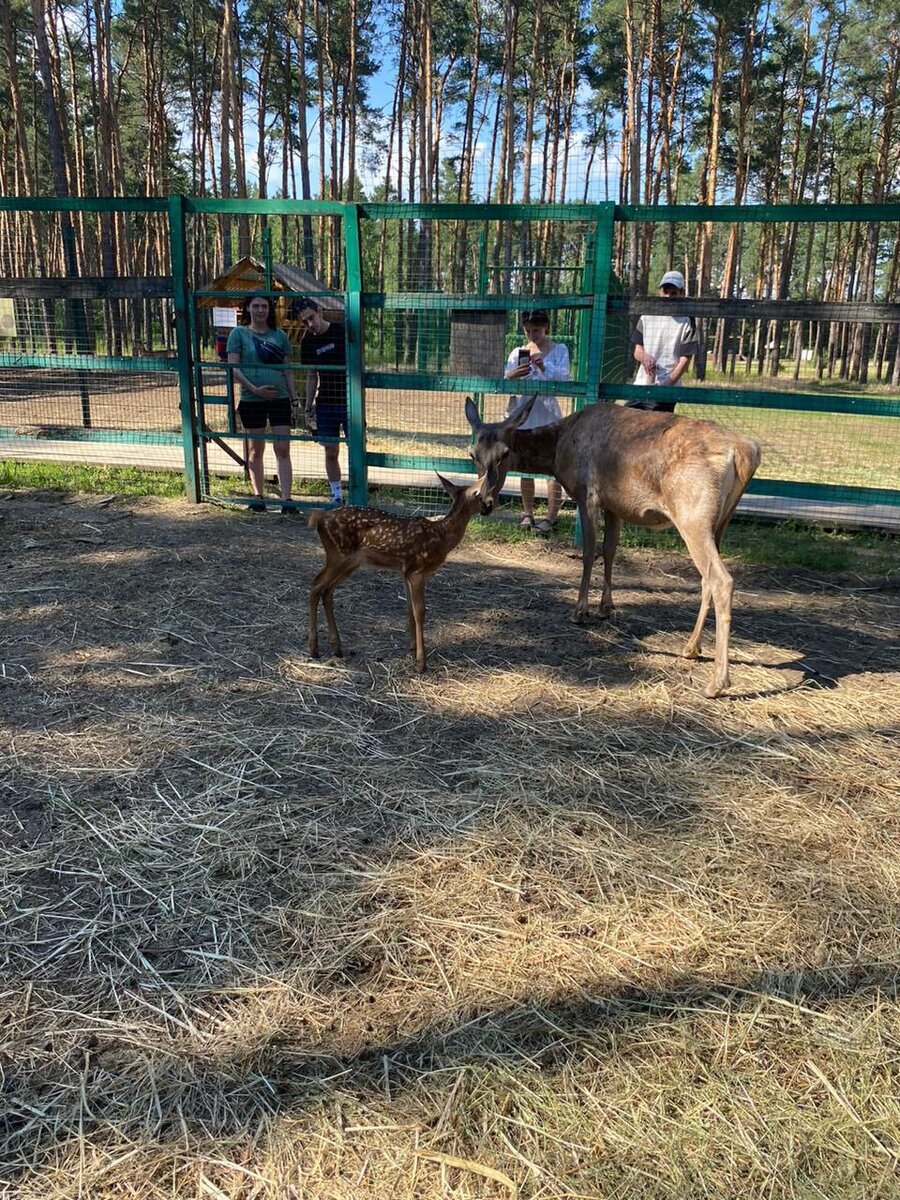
(323, 587)
(416, 584)
(315, 592)
(410, 617)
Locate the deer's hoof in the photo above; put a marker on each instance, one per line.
(691, 650)
(580, 616)
(606, 612)
(715, 688)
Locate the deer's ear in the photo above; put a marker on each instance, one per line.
(450, 488)
(472, 413)
(521, 415)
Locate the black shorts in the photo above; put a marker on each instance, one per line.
(255, 413)
(330, 420)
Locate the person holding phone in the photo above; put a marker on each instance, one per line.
(546, 360)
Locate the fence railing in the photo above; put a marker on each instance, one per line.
(795, 308)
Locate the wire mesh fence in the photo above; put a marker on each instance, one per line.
(796, 317)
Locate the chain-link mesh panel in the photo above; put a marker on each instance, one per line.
(799, 322)
(87, 338)
(444, 306)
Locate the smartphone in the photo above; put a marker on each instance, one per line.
(524, 356)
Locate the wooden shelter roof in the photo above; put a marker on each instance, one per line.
(249, 275)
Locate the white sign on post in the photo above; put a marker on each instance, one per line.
(8, 319)
(225, 317)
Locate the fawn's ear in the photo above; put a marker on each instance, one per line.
(472, 414)
(452, 489)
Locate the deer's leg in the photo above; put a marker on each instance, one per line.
(410, 617)
(416, 586)
(589, 547)
(315, 593)
(717, 586)
(323, 588)
(612, 527)
(694, 643)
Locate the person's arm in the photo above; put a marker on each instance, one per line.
(556, 364)
(687, 346)
(643, 357)
(290, 380)
(679, 369)
(312, 386)
(241, 379)
(264, 393)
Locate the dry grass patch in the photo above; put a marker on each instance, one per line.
(542, 923)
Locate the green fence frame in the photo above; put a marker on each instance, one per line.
(598, 302)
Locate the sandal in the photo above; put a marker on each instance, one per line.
(545, 527)
(527, 522)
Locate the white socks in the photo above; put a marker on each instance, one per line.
(336, 491)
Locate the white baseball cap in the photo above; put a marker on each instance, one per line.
(675, 278)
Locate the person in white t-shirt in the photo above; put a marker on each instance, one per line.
(664, 344)
(539, 358)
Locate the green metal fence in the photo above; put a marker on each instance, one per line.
(122, 368)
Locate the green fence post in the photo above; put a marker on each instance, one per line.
(600, 268)
(178, 250)
(356, 407)
(601, 275)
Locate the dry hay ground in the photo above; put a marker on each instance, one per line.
(543, 922)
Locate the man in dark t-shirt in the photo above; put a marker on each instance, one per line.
(323, 349)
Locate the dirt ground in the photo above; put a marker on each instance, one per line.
(282, 927)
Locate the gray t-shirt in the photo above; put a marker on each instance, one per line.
(668, 339)
(258, 354)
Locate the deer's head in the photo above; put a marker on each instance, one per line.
(490, 451)
(468, 496)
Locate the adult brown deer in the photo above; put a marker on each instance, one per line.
(415, 546)
(650, 468)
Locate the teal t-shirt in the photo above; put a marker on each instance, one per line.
(249, 345)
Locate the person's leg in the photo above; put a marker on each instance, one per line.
(554, 500)
(328, 428)
(255, 456)
(333, 469)
(527, 486)
(253, 420)
(283, 463)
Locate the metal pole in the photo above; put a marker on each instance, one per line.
(356, 396)
(189, 437)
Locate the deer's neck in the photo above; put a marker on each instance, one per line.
(534, 449)
(453, 527)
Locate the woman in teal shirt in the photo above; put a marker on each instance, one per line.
(257, 352)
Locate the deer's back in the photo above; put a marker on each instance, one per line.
(639, 462)
(381, 539)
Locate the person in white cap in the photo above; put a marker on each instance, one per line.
(664, 344)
